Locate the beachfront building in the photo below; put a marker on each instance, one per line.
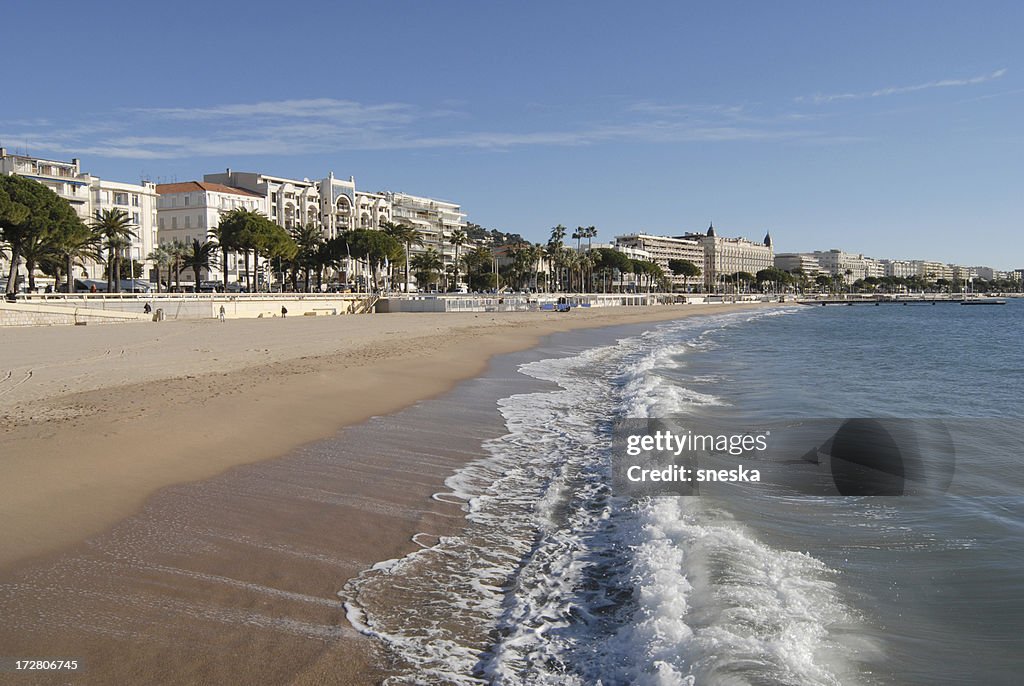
(792, 261)
(139, 202)
(661, 249)
(898, 269)
(436, 220)
(931, 270)
(726, 256)
(963, 274)
(848, 266)
(190, 210)
(372, 210)
(337, 204)
(343, 208)
(289, 202)
(88, 194)
(66, 179)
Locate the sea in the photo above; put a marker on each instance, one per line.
(556, 578)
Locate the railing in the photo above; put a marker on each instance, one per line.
(153, 295)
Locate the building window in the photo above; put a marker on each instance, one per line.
(187, 200)
(120, 198)
(161, 222)
(135, 199)
(135, 218)
(188, 221)
(174, 222)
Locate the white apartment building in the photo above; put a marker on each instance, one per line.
(139, 202)
(838, 263)
(963, 273)
(791, 261)
(372, 210)
(898, 269)
(289, 202)
(661, 249)
(344, 208)
(333, 203)
(66, 179)
(88, 194)
(337, 205)
(932, 271)
(192, 209)
(434, 219)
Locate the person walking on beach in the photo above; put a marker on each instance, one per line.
(284, 311)
(221, 316)
(147, 309)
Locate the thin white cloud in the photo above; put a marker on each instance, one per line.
(315, 108)
(820, 99)
(295, 127)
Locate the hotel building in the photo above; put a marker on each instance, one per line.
(191, 210)
(343, 208)
(289, 202)
(791, 261)
(727, 256)
(661, 249)
(436, 220)
(88, 194)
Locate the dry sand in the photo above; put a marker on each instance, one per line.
(228, 580)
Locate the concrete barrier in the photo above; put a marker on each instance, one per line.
(202, 305)
(37, 314)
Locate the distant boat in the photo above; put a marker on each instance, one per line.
(983, 301)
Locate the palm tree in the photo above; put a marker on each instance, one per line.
(426, 264)
(458, 239)
(177, 251)
(116, 229)
(199, 256)
(161, 257)
(591, 232)
(79, 245)
(408, 237)
(308, 240)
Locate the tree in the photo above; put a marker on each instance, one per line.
(116, 228)
(308, 240)
(407, 236)
(161, 257)
(556, 254)
(177, 251)
(742, 278)
(30, 214)
(457, 239)
(609, 262)
(199, 257)
(237, 230)
(77, 244)
(773, 275)
(373, 246)
(426, 266)
(273, 243)
(685, 269)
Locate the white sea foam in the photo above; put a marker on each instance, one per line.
(555, 581)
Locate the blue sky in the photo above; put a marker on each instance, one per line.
(892, 129)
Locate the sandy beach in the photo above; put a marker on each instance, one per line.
(108, 429)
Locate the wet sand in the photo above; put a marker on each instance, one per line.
(130, 543)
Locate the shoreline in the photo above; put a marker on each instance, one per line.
(126, 431)
(243, 554)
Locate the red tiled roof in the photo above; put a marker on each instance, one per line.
(191, 186)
